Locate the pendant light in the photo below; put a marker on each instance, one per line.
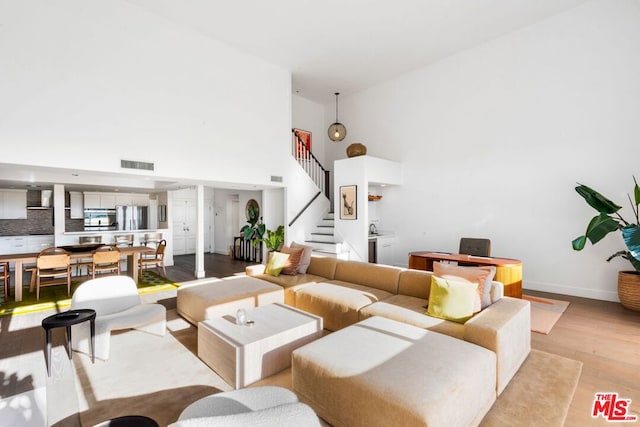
(337, 131)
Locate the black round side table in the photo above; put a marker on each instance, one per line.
(67, 319)
(129, 421)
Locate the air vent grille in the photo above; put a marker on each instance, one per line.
(131, 164)
(275, 178)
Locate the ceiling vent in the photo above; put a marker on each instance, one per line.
(275, 178)
(131, 164)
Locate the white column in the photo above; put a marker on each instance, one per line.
(58, 213)
(200, 230)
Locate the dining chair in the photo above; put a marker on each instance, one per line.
(53, 264)
(157, 260)
(105, 260)
(86, 262)
(4, 272)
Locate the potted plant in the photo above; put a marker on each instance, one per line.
(273, 239)
(607, 221)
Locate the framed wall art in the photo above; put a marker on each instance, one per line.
(348, 202)
(301, 138)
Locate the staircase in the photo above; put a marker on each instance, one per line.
(323, 242)
(322, 238)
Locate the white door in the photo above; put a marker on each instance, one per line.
(184, 226)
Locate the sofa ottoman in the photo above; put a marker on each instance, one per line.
(382, 372)
(207, 299)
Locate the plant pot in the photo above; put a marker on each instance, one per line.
(629, 289)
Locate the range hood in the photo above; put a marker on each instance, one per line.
(39, 199)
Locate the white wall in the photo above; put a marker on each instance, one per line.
(86, 84)
(493, 140)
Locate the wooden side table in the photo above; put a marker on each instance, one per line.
(67, 319)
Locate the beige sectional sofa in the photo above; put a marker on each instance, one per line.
(346, 292)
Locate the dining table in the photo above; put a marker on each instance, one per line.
(132, 253)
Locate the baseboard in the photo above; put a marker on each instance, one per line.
(556, 288)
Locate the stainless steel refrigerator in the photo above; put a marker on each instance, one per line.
(132, 217)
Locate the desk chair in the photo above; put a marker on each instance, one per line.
(53, 264)
(474, 246)
(156, 261)
(106, 260)
(4, 274)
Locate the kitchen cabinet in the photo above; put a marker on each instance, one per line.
(13, 204)
(385, 249)
(99, 200)
(13, 245)
(132, 200)
(76, 205)
(38, 243)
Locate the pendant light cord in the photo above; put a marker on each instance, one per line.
(337, 93)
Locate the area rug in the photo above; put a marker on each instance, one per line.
(545, 312)
(539, 394)
(55, 297)
(166, 376)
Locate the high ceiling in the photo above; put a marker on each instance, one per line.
(348, 45)
(329, 46)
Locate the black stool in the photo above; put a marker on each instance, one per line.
(67, 319)
(129, 421)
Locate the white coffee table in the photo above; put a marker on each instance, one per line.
(242, 355)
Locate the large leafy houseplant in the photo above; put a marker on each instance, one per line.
(254, 228)
(609, 220)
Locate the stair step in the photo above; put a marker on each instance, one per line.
(323, 237)
(341, 255)
(332, 247)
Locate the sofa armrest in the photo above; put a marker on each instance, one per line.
(255, 270)
(504, 328)
(497, 291)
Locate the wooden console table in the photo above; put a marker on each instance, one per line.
(508, 271)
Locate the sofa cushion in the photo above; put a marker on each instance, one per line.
(323, 266)
(277, 262)
(337, 302)
(480, 275)
(379, 372)
(451, 299)
(305, 260)
(291, 284)
(205, 299)
(291, 266)
(415, 283)
(410, 310)
(372, 275)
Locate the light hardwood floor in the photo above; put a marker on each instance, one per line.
(605, 337)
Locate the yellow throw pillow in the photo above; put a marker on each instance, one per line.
(452, 300)
(480, 275)
(277, 261)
